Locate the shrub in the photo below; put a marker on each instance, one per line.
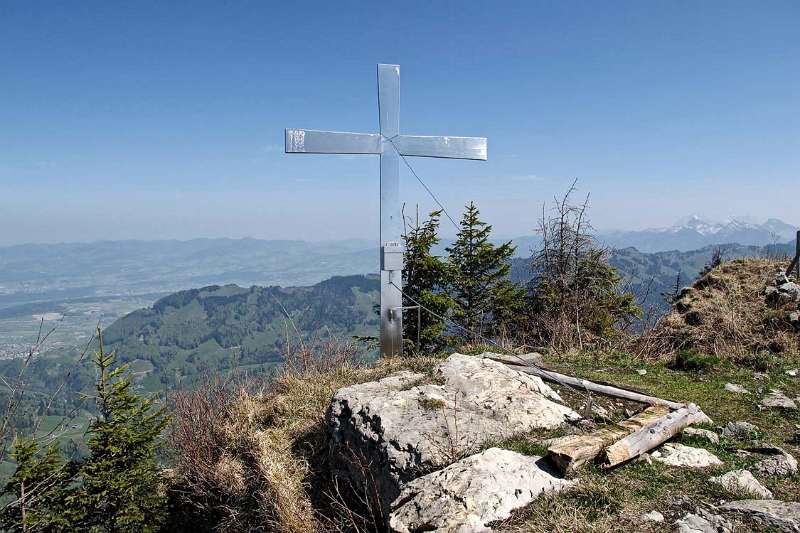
(577, 297)
(252, 455)
(759, 361)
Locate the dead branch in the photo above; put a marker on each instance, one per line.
(586, 385)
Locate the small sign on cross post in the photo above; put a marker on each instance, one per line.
(390, 146)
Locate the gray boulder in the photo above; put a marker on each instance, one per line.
(777, 399)
(783, 516)
(389, 432)
(742, 482)
(652, 516)
(792, 290)
(740, 430)
(702, 522)
(674, 454)
(466, 496)
(735, 387)
(710, 436)
(780, 463)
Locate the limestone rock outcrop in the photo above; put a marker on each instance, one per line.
(407, 425)
(783, 291)
(774, 514)
(779, 464)
(742, 482)
(674, 454)
(471, 493)
(777, 399)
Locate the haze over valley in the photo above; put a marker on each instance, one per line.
(76, 286)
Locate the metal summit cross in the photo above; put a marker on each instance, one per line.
(390, 145)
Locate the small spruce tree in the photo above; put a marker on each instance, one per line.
(120, 488)
(715, 261)
(478, 278)
(424, 277)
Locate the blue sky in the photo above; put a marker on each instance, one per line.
(165, 119)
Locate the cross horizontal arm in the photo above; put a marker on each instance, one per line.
(331, 142)
(448, 147)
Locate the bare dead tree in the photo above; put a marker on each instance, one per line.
(578, 297)
(31, 495)
(17, 390)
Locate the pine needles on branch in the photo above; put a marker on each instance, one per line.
(485, 299)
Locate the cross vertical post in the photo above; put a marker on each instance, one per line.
(390, 146)
(391, 230)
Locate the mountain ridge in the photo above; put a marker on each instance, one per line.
(695, 232)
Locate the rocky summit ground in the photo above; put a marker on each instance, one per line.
(653, 495)
(737, 310)
(737, 474)
(458, 444)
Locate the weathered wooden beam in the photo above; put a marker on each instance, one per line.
(584, 384)
(576, 450)
(795, 265)
(652, 435)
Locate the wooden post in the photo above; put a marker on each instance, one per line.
(797, 256)
(795, 265)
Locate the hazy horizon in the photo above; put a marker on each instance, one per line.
(154, 121)
(446, 233)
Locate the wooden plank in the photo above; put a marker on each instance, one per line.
(583, 384)
(575, 451)
(652, 435)
(527, 359)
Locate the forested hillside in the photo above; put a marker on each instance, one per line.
(219, 327)
(188, 333)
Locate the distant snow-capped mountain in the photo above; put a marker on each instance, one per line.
(693, 232)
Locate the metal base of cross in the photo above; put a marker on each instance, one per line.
(391, 313)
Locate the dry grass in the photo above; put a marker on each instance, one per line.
(725, 314)
(252, 456)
